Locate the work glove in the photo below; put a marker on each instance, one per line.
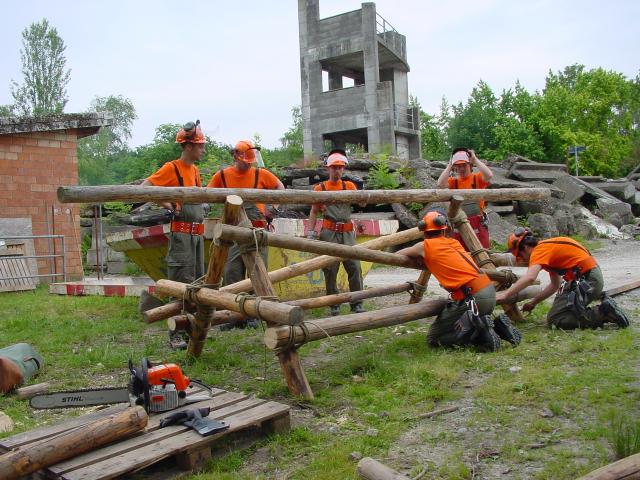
(271, 212)
(312, 235)
(185, 417)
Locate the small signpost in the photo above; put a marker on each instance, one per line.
(575, 150)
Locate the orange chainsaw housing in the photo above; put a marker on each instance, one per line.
(168, 373)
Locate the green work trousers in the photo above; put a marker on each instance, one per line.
(562, 315)
(24, 355)
(354, 271)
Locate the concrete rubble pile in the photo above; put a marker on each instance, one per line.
(588, 206)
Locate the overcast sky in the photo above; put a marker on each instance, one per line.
(236, 67)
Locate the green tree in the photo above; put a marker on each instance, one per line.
(473, 124)
(433, 131)
(6, 110)
(99, 155)
(595, 108)
(44, 87)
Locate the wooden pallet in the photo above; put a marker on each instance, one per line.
(190, 450)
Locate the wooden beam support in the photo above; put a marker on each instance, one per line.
(254, 307)
(136, 193)
(217, 258)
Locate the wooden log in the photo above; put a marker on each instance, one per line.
(323, 261)
(623, 288)
(32, 390)
(285, 335)
(627, 468)
(181, 323)
(217, 258)
(285, 273)
(246, 236)
(459, 220)
(225, 316)
(254, 307)
(371, 469)
(281, 336)
(71, 443)
(160, 313)
(135, 193)
(420, 287)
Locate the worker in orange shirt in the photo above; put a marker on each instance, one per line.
(565, 259)
(244, 174)
(337, 227)
(185, 255)
(466, 318)
(461, 163)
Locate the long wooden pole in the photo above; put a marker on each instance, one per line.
(180, 322)
(627, 468)
(284, 335)
(136, 193)
(26, 460)
(255, 307)
(370, 469)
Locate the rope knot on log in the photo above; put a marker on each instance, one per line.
(416, 290)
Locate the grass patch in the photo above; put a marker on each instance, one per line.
(558, 391)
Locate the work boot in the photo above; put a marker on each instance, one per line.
(506, 330)
(485, 337)
(176, 340)
(335, 310)
(612, 312)
(357, 308)
(252, 323)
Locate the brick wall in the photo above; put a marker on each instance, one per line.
(32, 167)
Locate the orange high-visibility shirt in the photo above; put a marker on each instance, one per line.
(166, 175)
(452, 266)
(236, 179)
(473, 181)
(561, 255)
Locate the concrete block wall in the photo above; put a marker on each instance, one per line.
(32, 167)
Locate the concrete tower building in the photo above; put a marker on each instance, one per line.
(354, 82)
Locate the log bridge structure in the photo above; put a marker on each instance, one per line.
(206, 303)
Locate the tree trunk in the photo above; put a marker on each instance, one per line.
(25, 460)
(135, 193)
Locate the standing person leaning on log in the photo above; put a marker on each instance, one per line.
(466, 318)
(242, 174)
(565, 259)
(337, 227)
(185, 255)
(462, 162)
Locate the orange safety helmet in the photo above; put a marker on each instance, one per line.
(460, 156)
(433, 221)
(337, 158)
(248, 149)
(516, 238)
(190, 133)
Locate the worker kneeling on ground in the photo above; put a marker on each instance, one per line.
(466, 318)
(566, 259)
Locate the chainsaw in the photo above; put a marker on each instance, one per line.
(156, 388)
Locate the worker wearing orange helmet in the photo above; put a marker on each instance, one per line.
(571, 264)
(246, 173)
(466, 318)
(337, 227)
(185, 255)
(461, 164)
